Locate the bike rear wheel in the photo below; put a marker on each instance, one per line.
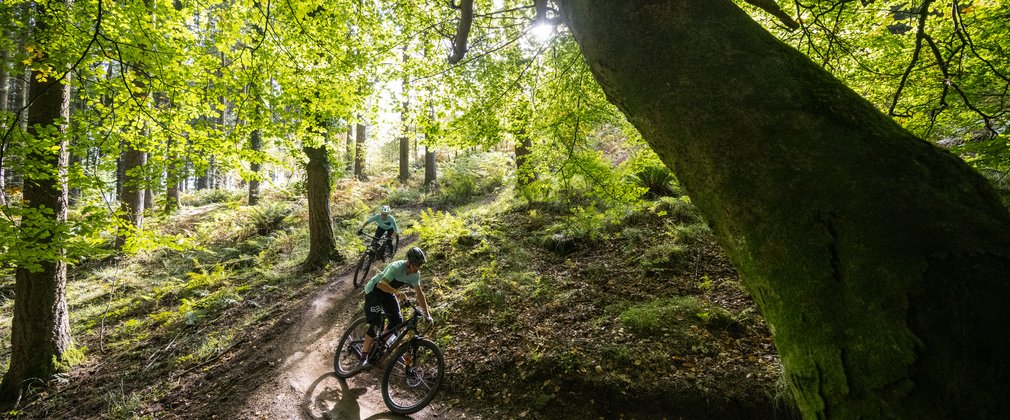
(413, 376)
(361, 272)
(347, 356)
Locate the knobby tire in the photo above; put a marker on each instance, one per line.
(346, 356)
(362, 270)
(406, 393)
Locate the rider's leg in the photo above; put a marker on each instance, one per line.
(392, 309)
(379, 232)
(373, 313)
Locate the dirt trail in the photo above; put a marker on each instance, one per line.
(304, 386)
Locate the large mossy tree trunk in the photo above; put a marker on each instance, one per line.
(40, 329)
(322, 245)
(881, 262)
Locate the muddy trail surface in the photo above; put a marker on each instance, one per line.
(303, 386)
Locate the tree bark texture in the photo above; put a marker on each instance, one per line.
(172, 185)
(349, 157)
(40, 330)
(881, 262)
(429, 166)
(404, 140)
(322, 245)
(359, 151)
(132, 197)
(5, 58)
(76, 159)
(404, 159)
(148, 186)
(256, 144)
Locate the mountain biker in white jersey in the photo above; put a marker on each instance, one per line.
(382, 296)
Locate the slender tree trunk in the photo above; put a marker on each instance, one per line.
(13, 178)
(132, 196)
(120, 171)
(149, 187)
(429, 154)
(359, 151)
(5, 58)
(40, 330)
(256, 144)
(881, 262)
(75, 156)
(524, 168)
(148, 184)
(404, 140)
(203, 180)
(172, 177)
(322, 245)
(404, 160)
(350, 148)
(429, 166)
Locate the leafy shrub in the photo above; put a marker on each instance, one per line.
(439, 231)
(659, 181)
(664, 254)
(457, 187)
(267, 217)
(207, 280)
(403, 196)
(471, 176)
(584, 224)
(679, 209)
(692, 234)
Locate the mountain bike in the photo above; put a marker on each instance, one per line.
(377, 249)
(416, 366)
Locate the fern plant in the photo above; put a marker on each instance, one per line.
(658, 180)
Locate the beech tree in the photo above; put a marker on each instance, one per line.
(879, 260)
(40, 330)
(322, 245)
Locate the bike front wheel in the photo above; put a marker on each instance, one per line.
(413, 377)
(361, 272)
(348, 355)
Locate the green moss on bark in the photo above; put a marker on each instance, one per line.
(836, 217)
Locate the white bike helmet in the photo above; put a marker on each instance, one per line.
(384, 209)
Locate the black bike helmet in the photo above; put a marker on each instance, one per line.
(415, 256)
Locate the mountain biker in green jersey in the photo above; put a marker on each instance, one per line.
(382, 296)
(385, 225)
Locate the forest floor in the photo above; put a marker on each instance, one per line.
(646, 320)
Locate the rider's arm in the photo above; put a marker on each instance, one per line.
(385, 287)
(367, 221)
(424, 302)
(396, 230)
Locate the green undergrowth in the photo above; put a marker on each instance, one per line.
(632, 307)
(218, 272)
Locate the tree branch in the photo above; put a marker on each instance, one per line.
(462, 31)
(771, 7)
(920, 34)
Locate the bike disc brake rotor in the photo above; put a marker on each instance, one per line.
(414, 377)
